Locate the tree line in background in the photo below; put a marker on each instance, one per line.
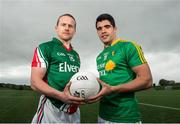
(167, 85)
(14, 86)
(163, 85)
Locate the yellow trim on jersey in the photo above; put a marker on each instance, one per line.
(117, 40)
(140, 53)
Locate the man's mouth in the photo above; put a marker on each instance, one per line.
(66, 33)
(104, 36)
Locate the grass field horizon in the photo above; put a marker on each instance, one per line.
(157, 106)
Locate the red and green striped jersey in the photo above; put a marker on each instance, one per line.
(61, 64)
(114, 65)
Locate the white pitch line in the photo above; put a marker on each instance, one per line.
(160, 106)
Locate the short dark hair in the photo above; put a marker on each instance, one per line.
(66, 15)
(105, 16)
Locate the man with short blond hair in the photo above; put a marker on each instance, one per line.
(53, 64)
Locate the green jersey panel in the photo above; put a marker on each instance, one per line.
(114, 65)
(61, 64)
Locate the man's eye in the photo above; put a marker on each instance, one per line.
(107, 26)
(99, 28)
(63, 24)
(70, 26)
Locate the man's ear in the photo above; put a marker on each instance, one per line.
(115, 28)
(56, 28)
(75, 31)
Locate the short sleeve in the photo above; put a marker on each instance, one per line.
(40, 58)
(135, 55)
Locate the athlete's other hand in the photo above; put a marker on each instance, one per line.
(106, 89)
(68, 98)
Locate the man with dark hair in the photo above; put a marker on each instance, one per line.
(53, 64)
(123, 70)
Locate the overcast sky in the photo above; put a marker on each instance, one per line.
(154, 24)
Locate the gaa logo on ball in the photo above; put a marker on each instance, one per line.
(82, 78)
(84, 84)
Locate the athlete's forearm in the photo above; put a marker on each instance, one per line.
(137, 84)
(39, 85)
(42, 87)
(142, 81)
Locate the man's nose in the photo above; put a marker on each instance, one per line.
(67, 27)
(103, 30)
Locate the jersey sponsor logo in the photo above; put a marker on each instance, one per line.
(102, 73)
(64, 67)
(101, 69)
(110, 65)
(105, 55)
(102, 65)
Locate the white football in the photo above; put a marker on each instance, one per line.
(84, 84)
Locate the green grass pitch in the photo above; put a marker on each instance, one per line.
(157, 106)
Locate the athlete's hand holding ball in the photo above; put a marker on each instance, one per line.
(105, 90)
(86, 85)
(68, 98)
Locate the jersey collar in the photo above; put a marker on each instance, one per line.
(57, 41)
(116, 41)
(60, 43)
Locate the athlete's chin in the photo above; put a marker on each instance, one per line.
(105, 41)
(67, 38)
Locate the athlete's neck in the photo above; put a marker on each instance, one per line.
(67, 44)
(107, 44)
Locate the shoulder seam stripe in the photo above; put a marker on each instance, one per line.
(143, 60)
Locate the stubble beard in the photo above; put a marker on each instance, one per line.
(107, 42)
(66, 39)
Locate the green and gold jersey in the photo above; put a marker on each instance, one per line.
(114, 65)
(61, 64)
